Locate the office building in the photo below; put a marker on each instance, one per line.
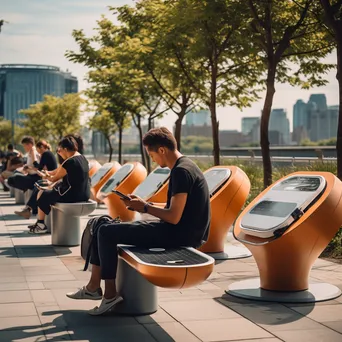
(279, 125)
(24, 84)
(323, 123)
(200, 118)
(248, 123)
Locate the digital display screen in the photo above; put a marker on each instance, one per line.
(100, 174)
(216, 177)
(152, 183)
(275, 209)
(117, 178)
(299, 184)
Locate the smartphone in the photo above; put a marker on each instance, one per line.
(123, 196)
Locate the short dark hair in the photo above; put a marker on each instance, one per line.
(68, 143)
(27, 140)
(159, 137)
(10, 147)
(79, 141)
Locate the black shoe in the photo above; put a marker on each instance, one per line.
(6, 188)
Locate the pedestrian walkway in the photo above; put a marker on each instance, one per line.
(34, 277)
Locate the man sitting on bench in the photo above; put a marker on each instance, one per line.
(184, 221)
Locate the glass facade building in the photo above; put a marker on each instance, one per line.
(24, 84)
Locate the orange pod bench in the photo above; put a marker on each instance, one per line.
(94, 165)
(286, 228)
(125, 180)
(229, 188)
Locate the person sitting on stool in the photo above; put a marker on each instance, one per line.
(184, 221)
(25, 179)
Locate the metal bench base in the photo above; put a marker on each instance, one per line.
(19, 196)
(140, 296)
(65, 229)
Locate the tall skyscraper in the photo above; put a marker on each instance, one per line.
(200, 118)
(247, 124)
(300, 115)
(24, 84)
(280, 125)
(319, 100)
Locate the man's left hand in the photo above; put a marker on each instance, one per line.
(136, 203)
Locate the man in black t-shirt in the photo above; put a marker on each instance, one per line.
(184, 221)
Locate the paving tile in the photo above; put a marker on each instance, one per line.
(171, 331)
(57, 334)
(45, 270)
(11, 271)
(50, 277)
(315, 335)
(273, 317)
(17, 323)
(27, 262)
(43, 297)
(337, 325)
(33, 335)
(160, 316)
(197, 310)
(272, 339)
(225, 329)
(112, 333)
(63, 284)
(15, 297)
(12, 310)
(13, 286)
(51, 315)
(321, 313)
(35, 285)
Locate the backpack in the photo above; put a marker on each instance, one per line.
(90, 232)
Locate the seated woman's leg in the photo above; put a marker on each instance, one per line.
(22, 182)
(32, 203)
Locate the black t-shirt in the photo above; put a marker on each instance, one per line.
(76, 179)
(47, 160)
(186, 177)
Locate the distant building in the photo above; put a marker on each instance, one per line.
(248, 123)
(24, 84)
(204, 131)
(279, 123)
(200, 118)
(300, 115)
(230, 138)
(323, 123)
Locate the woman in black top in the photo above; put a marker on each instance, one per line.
(47, 158)
(47, 162)
(74, 187)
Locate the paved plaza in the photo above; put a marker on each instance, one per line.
(34, 277)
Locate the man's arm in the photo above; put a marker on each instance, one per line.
(171, 215)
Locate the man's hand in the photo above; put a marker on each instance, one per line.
(136, 203)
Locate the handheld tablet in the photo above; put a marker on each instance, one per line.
(123, 196)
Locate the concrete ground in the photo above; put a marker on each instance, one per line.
(34, 277)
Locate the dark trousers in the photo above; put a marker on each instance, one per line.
(22, 182)
(33, 202)
(146, 234)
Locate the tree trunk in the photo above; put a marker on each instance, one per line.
(120, 144)
(148, 159)
(214, 123)
(110, 149)
(178, 127)
(265, 119)
(339, 127)
(142, 150)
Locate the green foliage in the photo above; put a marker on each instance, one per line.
(325, 142)
(6, 133)
(53, 118)
(104, 123)
(197, 145)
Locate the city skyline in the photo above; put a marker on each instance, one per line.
(40, 33)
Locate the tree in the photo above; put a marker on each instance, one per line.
(104, 123)
(53, 118)
(213, 53)
(333, 19)
(2, 22)
(147, 25)
(286, 34)
(6, 133)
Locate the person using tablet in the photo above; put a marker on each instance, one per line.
(184, 221)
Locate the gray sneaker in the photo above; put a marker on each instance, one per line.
(25, 213)
(83, 293)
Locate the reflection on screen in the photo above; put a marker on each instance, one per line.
(100, 173)
(275, 209)
(117, 178)
(299, 184)
(215, 178)
(152, 183)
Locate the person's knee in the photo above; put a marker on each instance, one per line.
(106, 232)
(10, 180)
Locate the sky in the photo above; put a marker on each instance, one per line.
(39, 32)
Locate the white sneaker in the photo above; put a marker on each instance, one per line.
(105, 306)
(84, 293)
